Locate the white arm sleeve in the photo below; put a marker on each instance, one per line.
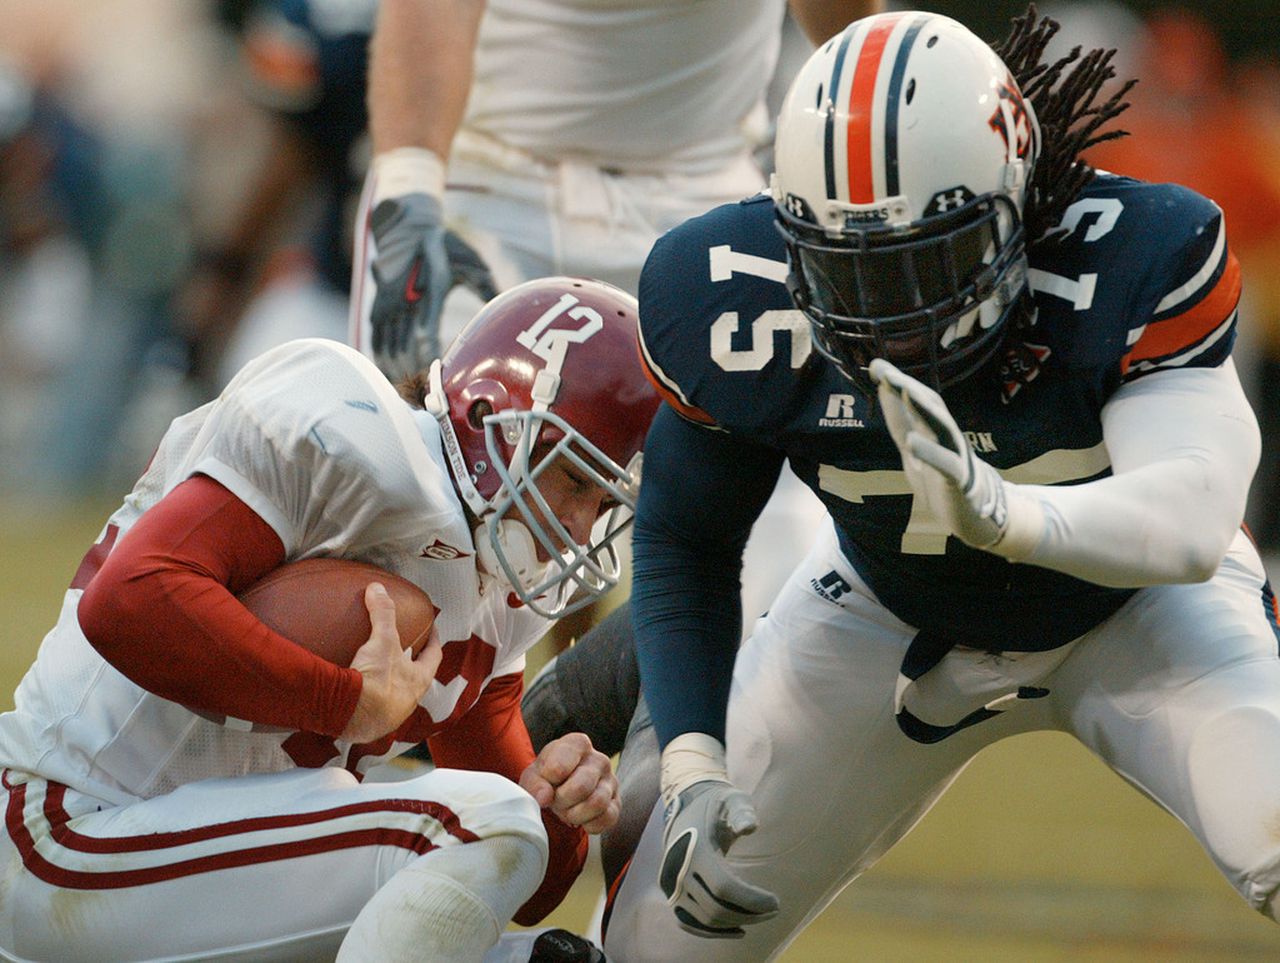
(1184, 446)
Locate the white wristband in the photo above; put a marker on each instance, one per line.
(691, 757)
(1024, 528)
(407, 170)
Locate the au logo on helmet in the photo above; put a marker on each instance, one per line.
(1012, 121)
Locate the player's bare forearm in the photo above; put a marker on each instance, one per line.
(823, 19)
(421, 58)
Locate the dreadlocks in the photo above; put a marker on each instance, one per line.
(1070, 120)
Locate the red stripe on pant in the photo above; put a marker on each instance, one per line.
(57, 817)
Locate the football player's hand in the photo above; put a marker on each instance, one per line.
(576, 782)
(418, 263)
(709, 899)
(964, 492)
(394, 678)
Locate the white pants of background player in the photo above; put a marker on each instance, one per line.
(531, 219)
(1178, 692)
(263, 867)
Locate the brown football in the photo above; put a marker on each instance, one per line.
(319, 604)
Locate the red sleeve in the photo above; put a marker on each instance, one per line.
(162, 610)
(492, 737)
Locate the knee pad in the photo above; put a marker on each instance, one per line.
(448, 905)
(485, 803)
(1234, 775)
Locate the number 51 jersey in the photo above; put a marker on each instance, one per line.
(1137, 279)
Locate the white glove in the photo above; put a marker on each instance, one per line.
(705, 815)
(418, 263)
(964, 492)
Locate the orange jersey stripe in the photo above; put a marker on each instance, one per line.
(670, 397)
(861, 93)
(1183, 330)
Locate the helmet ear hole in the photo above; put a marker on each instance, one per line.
(478, 412)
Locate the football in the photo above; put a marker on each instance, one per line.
(319, 604)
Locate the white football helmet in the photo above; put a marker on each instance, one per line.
(904, 150)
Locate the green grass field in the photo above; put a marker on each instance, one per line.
(1076, 867)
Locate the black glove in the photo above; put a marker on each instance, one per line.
(418, 263)
(708, 898)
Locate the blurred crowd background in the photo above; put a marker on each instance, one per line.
(177, 177)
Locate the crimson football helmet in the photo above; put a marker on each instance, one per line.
(904, 149)
(547, 370)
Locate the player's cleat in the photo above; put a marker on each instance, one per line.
(561, 946)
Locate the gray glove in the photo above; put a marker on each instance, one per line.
(708, 898)
(417, 265)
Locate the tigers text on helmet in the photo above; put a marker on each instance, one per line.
(904, 149)
(547, 371)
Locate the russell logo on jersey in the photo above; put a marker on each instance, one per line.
(842, 412)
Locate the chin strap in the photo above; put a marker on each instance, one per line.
(437, 405)
(505, 549)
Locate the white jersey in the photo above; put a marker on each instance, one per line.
(646, 86)
(318, 443)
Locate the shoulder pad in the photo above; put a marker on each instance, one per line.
(718, 332)
(1128, 258)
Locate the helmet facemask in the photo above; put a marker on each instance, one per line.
(543, 409)
(519, 519)
(903, 155)
(933, 298)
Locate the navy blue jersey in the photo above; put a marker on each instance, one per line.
(308, 61)
(1141, 279)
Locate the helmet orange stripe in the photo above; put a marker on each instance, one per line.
(861, 93)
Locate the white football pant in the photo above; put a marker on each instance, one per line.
(1178, 692)
(262, 867)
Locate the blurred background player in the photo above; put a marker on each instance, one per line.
(280, 267)
(167, 749)
(1071, 559)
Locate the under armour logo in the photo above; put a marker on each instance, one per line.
(949, 200)
(797, 208)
